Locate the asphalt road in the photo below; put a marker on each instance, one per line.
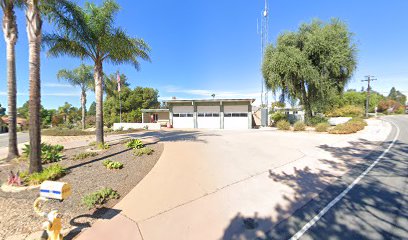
(375, 208)
(21, 138)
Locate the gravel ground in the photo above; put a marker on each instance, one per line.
(85, 176)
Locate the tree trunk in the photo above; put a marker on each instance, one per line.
(10, 36)
(83, 105)
(306, 105)
(12, 111)
(34, 24)
(98, 74)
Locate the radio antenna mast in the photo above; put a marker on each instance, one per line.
(264, 43)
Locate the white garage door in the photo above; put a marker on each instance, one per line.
(236, 117)
(208, 117)
(183, 117)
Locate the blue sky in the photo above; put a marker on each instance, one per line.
(212, 46)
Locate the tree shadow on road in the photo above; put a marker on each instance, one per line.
(177, 135)
(379, 210)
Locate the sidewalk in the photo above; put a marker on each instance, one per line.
(210, 187)
(68, 142)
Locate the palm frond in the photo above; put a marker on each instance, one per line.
(120, 48)
(63, 45)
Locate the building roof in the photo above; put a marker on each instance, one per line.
(21, 121)
(211, 100)
(154, 110)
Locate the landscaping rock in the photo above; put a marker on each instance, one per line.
(338, 120)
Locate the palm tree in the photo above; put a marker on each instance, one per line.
(90, 33)
(81, 77)
(34, 32)
(10, 36)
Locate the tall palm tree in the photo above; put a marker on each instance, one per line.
(10, 36)
(34, 32)
(91, 33)
(81, 77)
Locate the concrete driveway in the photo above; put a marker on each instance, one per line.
(205, 180)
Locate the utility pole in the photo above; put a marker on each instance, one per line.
(368, 79)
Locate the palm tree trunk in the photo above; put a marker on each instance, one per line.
(12, 111)
(83, 105)
(10, 36)
(98, 74)
(34, 25)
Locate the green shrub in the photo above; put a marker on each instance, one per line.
(299, 126)
(400, 110)
(347, 111)
(99, 197)
(112, 165)
(52, 172)
(84, 155)
(277, 116)
(49, 153)
(352, 126)
(318, 119)
(135, 144)
(102, 146)
(141, 151)
(283, 125)
(92, 144)
(322, 127)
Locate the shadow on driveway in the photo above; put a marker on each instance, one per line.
(376, 208)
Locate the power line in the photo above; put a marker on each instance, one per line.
(368, 79)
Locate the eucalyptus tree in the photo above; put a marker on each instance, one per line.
(82, 78)
(312, 64)
(90, 33)
(10, 33)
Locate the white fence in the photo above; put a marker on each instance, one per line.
(127, 126)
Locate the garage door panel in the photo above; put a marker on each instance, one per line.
(235, 108)
(208, 109)
(183, 109)
(183, 122)
(236, 120)
(208, 122)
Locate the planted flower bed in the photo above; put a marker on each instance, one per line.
(87, 175)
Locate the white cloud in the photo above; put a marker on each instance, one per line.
(205, 93)
(218, 94)
(68, 94)
(57, 85)
(18, 94)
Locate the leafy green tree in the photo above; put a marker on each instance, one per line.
(397, 96)
(312, 64)
(23, 111)
(132, 102)
(90, 33)
(111, 84)
(81, 77)
(92, 109)
(69, 113)
(2, 111)
(45, 114)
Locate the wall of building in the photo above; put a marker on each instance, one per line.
(242, 108)
(162, 117)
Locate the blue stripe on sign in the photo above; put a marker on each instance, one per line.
(48, 191)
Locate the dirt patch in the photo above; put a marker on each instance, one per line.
(85, 176)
